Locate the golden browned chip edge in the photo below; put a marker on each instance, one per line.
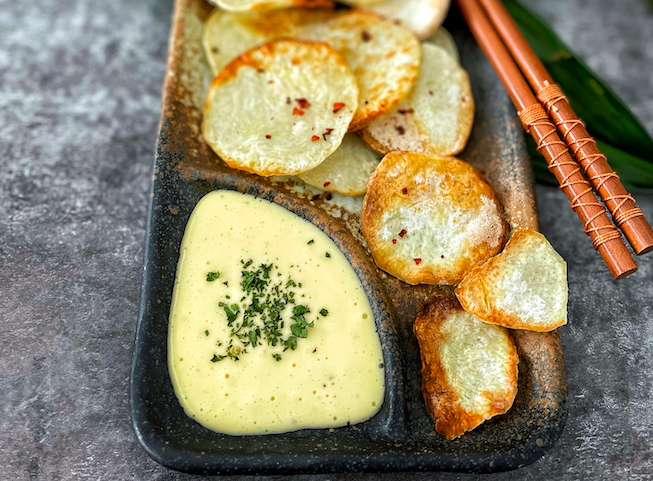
(473, 296)
(440, 398)
(378, 189)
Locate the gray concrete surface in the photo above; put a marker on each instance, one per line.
(80, 86)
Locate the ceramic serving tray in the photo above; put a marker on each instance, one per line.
(401, 436)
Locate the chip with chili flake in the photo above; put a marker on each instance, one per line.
(243, 109)
(346, 170)
(448, 210)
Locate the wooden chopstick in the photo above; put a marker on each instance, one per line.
(605, 236)
(625, 213)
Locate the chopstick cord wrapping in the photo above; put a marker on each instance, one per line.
(550, 96)
(536, 116)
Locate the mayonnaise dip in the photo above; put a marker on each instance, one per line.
(333, 376)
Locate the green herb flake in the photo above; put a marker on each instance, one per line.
(217, 358)
(299, 310)
(277, 357)
(292, 343)
(211, 276)
(324, 312)
(263, 311)
(231, 311)
(311, 241)
(206, 332)
(328, 255)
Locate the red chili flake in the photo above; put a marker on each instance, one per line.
(215, 50)
(326, 184)
(296, 111)
(268, 136)
(365, 36)
(315, 197)
(288, 100)
(430, 92)
(303, 103)
(315, 138)
(400, 129)
(442, 256)
(418, 260)
(403, 233)
(394, 241)
(326, 132)
(404, 190)
(337, 106)
(405, 111)
(260, 70)
(328, 196)
(270, 81)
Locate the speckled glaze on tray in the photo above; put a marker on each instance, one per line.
(401, 436)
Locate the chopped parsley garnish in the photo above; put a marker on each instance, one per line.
(211, 276)
(328, 255)
(267, 313)
(231, 311)
(324, 312)
(206, 332)
(311, 241)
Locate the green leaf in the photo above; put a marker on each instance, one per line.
(299, 310)
(619, 135)
(299, 331)
(291, 343)
(211, 276)
(232, 313)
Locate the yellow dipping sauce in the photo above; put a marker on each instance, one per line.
(333, 377)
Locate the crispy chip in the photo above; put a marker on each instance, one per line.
(436, 117)
(469, 367)
(524, 287)
(244, 5)
(267, 111)
(422, 17)
(228, 34)
(346, 171)
(443, 39)
(430, 220)
(384, 57)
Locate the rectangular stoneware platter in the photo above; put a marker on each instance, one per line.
(401, 436)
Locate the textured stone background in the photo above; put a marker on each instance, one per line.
(80, 86)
